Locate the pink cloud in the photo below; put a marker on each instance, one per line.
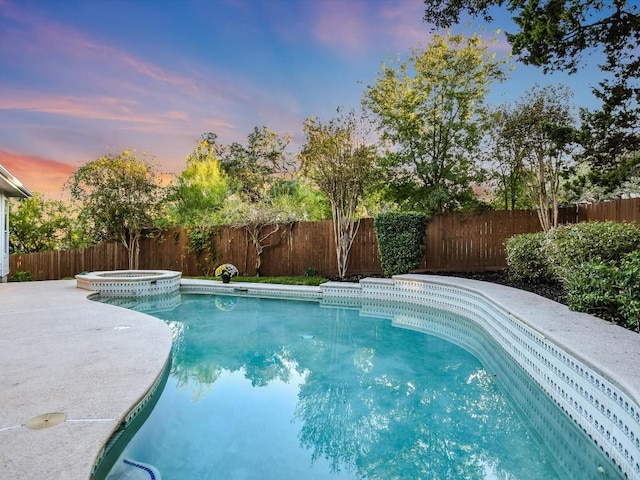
(97, 108)
(44, 36)
(358, 27)
(102, 65)
(403, 24)
(341, 25)
(101, 96)
(36, 173)
(136, 88)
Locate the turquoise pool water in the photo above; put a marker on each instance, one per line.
(284, 389)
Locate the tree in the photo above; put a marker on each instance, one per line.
(560, 35)
(260, 220)
(547, 136)
(337, 159)
(252, 167)
(38, 225)
(506, 152)
(430, 112)
(119, 197)
(611, 141)
(579, 187)
(201, 187)
(303, 200)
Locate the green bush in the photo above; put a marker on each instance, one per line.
(400, 239)
(607, 290)
(597, 263)
(569, 246)
(20, 276)
(591, 288)
(526, 257)
(629, 291)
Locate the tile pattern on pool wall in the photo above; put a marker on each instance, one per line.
(605, 413)
(550, 423)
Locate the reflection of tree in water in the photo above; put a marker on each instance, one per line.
(336, 424)
(387, 425)
(213, 340)
(265, 366)
(383, 403)
(196, 377)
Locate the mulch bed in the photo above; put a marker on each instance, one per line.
(552, 291)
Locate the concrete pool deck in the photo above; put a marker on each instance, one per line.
(61, 353)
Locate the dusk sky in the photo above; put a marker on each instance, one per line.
(82, 78)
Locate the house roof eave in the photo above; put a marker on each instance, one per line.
(11, 186)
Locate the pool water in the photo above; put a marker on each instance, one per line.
(285, 389)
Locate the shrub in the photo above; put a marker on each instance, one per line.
(607, 290)
(400, 239)
(569, 246)
(629, 282)
(21, 276)
(597, 263)
(311, 272)
(591, 288)
(526, 257)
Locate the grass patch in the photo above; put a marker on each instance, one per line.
(312, 281)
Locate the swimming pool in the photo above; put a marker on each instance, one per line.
(313, 391)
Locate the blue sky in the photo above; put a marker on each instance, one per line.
(82, 78)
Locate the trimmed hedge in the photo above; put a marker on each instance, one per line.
(629, 293)
(400, 239)
(590, 288)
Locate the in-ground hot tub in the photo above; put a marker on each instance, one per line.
(130, 283)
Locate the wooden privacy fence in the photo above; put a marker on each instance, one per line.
(467, 241)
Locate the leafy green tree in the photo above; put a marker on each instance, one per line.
(201, 188)
(119, 197)
(611, 141)
(286, 201)
(563, 35)
(304, 201)
(253, 167)
(505, 153)
(547, 136)
(430, 113)
(578, 187)
(338, 160)
(39, 225)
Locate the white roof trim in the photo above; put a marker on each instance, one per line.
(11, 186)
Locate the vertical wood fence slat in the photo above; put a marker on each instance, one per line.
(453, 242)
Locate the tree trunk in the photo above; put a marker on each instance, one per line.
(131, 242)
(543, 197)
(344, 232)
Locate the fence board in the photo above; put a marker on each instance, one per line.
(453, 242)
